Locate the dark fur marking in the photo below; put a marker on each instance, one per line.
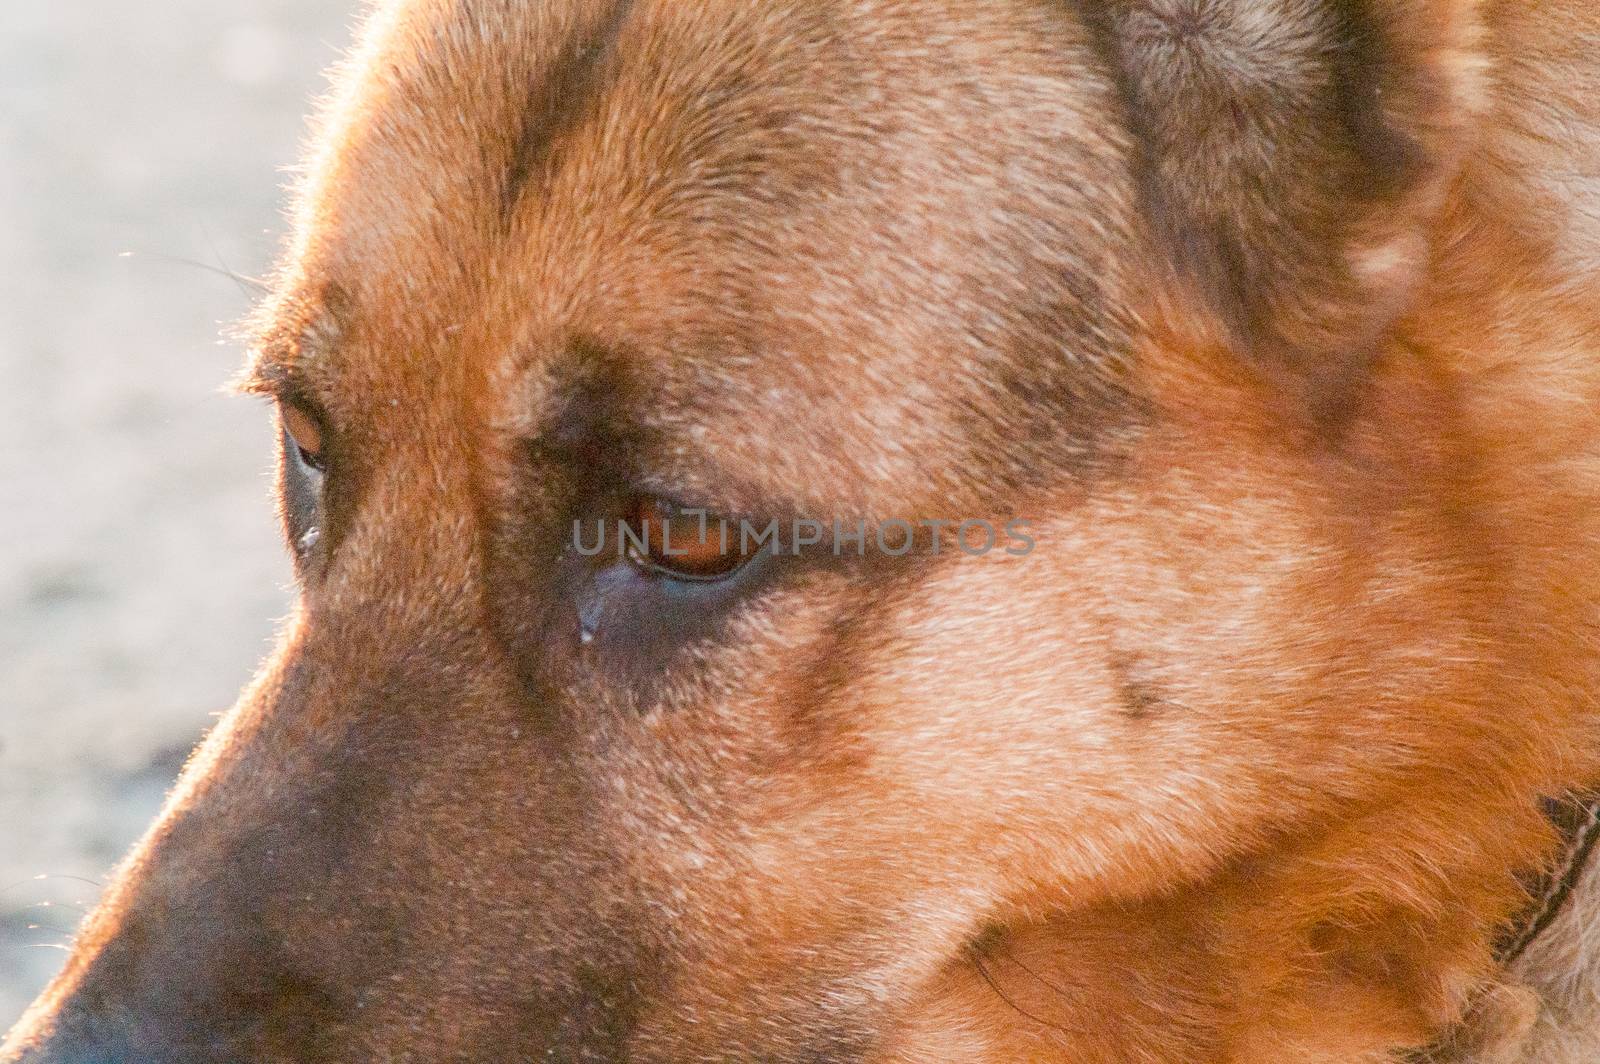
(1060, 396)
(1272, 271)
(561, 101)
(1364, 62)
(1097, 19)
(590, 1021)
(1141, 699)
(1199, 253)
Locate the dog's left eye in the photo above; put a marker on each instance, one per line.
(305, 461)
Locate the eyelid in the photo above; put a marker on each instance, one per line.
(712, 492)
(305, 427)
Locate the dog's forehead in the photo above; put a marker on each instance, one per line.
(768, 215)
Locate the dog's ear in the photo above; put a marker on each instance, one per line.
(1292, 153)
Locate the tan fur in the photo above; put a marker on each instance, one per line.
(1273, 317)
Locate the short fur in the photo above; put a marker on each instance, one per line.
(1275, 318)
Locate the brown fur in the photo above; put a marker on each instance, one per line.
(1261, 311)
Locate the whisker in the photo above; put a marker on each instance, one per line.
(240, 279)
(43, 876)
(1003, 996)
(1014, 959)
(249, 286)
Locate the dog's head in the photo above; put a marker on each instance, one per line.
(1140, 549)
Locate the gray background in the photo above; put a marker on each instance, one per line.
(141, 573)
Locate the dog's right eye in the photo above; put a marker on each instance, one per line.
(687, 545)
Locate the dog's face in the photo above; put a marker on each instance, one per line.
(560, 264)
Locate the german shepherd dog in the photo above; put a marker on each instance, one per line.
(1269, 325)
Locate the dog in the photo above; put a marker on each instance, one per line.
(1267, 326)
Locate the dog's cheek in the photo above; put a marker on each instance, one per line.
(1158, 714)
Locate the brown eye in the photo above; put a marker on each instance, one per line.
(305, 433)
(686, 544)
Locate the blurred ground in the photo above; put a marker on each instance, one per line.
(140, 568)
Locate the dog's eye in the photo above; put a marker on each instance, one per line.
(304, 433)
(685, 544)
